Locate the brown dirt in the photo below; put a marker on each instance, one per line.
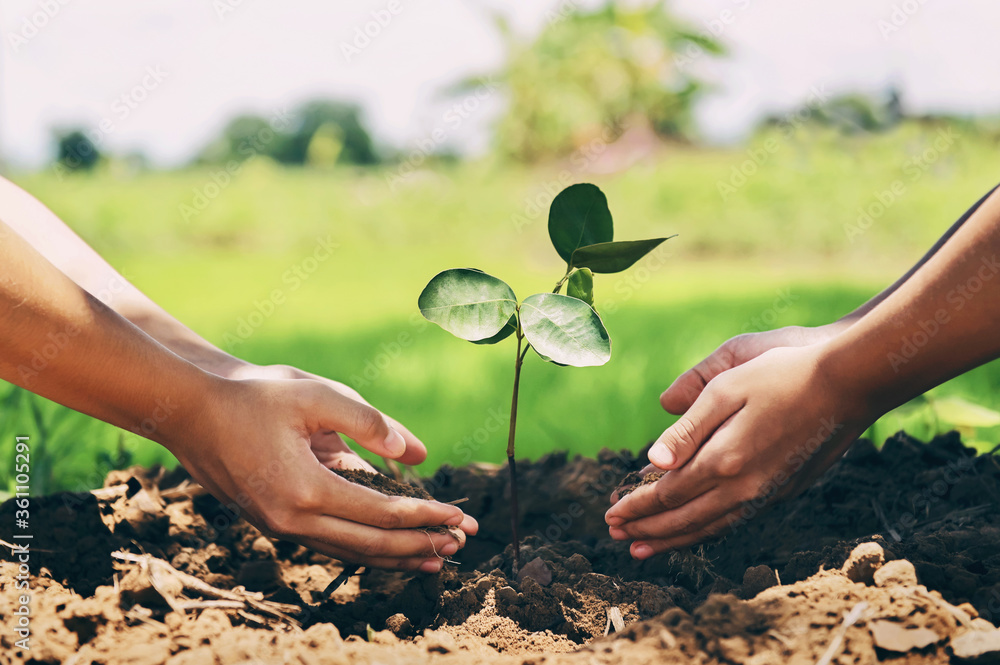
(635, 480)
(786, 587)
(382, 483)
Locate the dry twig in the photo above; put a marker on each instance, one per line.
(850, 619)
(160, 572)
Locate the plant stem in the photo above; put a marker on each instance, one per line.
(518, 361)
(562, 281)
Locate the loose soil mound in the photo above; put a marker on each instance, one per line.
(892, 555)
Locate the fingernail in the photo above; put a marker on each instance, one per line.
(642, 551)
(661, 456)
(394, 443)
(448, 549)
(431, 566)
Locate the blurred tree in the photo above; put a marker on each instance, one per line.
(243, 137)
(851, 113)
(320, 132)
(325, 146)
(75, 151)
(592, 70)
(334, 118)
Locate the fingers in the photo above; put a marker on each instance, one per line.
(686, 389)
(332, 411)
(616, 495)
(643, 549)
(671, 491)
(335, 496)
(416, 451)
(428, 563)
(681, 441)
(469, 525)
(688, 519)
(359, 542)
(333, 453)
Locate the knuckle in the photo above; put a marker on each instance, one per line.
(302, 499)
(664, 497)
(368, 421)
(639, 532)
(390, 519)
(370, 547)
(685, 525)
(729, 464)
(683, 434)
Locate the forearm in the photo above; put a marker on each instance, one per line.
(857, 314)
(62, 343)
(940, 323)
(64, 249)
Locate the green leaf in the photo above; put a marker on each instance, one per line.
(581, 286)
(468, 303)
(565, 330)
(578, 217)
(504, 333)
(608, 257)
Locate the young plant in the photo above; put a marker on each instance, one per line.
(562, 329)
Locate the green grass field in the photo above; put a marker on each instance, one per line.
(780, 236)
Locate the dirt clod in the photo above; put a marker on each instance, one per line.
(864, 561)
(756, 579)
(977, 646)
(896, 573)
(893, 636)
(537, 570)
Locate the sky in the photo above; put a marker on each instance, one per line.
(163, 76)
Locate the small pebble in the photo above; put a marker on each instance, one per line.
(400, 625)
(537, 570)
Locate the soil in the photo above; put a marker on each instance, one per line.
(894, 555)
(382, 483)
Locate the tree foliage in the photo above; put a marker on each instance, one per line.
(320, 133)
(592, 70)
(76, 152)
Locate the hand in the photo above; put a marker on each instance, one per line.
(760, 431)
(682, 393)
(329, 447)
(254, 448)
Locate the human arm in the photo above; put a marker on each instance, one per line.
(768, 428)
(247, 441)
(737, 350)
(55, 241)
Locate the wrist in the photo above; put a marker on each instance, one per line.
(179, 339)
(195, 419)
(850, 380)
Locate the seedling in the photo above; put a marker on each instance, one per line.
(562, 329)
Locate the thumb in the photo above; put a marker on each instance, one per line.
(329, 410)
(678, 444)
(683, 392)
